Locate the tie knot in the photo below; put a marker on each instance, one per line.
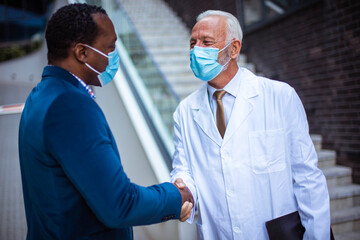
(219, 94)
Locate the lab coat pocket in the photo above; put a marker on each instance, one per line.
(267, 149)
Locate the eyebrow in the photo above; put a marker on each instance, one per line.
(208, 38)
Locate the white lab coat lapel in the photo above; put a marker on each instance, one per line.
(242, 106)
(203, 116)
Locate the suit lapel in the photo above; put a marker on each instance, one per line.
(242, 107)
(203, 115)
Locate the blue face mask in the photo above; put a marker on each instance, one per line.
(204, 64)
(111, 69)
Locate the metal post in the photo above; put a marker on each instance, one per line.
(240, 13)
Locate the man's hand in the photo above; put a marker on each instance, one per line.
(185, 211)
(184, 191)
(187, 199)
(180, 183)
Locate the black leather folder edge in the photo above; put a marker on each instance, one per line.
(285, 227)
(288, 227)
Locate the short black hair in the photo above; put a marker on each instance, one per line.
(69, 25)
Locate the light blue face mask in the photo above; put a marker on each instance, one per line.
(111, 69)
(204, 64)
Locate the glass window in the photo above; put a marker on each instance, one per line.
(254, 13)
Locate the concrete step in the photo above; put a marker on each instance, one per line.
(345, 220)
(348, 236)
(344, 196)
(189, 88)
(337, 176)
(148, 33)
(152, 16)
(163, 56)
(171, 29)
(165, 14)
(175, 69)
(157, 21)
(186, 78)
(169, 50)
(170, 59)
(163, 42)
(317, 140)
(178, 30)
(138, 6)
(185, 91)
(326, 158)
(165, 29)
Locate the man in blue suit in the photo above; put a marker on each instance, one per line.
(73, 182)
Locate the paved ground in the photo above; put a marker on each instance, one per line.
(12, 214)
(17, 78)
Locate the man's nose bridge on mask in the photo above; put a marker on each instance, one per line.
(197, 43)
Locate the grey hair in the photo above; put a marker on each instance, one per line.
(233, 28)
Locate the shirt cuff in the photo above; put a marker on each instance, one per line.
(191, 218)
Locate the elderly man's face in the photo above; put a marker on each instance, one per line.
(209, 32)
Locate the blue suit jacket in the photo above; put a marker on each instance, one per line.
(73, 182)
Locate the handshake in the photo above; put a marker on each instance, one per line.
(187, 200)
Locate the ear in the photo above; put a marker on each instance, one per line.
(235, 49)
(80, 52)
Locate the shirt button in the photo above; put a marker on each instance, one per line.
(236, 229)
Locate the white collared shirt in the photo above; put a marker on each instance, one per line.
(228, 99)
(87, 87)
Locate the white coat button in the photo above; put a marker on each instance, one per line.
(236, 229)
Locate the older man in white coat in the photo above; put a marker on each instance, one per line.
(247, 157)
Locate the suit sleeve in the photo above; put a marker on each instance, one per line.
(78, 137)
(310, 186)
(181, 165)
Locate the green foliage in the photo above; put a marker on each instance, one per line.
(18, 50)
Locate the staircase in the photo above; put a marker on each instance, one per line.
(167, 40)
(344, 196)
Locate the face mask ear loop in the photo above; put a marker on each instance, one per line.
(223, 50)
(92, 68)
(97, 51)
(226, 62)
(225, 46)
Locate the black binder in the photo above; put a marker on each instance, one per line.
(288, 227)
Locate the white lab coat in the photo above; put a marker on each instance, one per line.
(265, 167)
